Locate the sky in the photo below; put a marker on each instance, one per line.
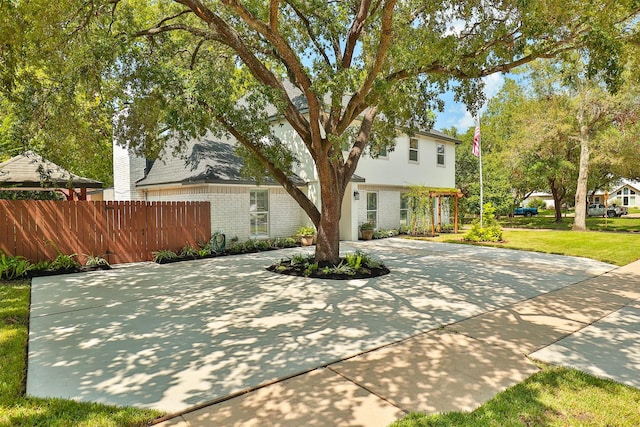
(456, 114)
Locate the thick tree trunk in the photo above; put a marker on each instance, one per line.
(328, 240)
(557, 200)
(580, 220)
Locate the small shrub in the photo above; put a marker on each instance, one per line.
(42, 265)
(289, 242)
(64, 262)
(354, 260)
(202, 252)
(164, 255)
(537, 203)
(306, 231)
(366, 226)
(236, 248)
(262, 245)
(96, 261)
(343, 268)
(13, 267)
(299, 259)
(188, 251)
(311, 268)
(489, 232)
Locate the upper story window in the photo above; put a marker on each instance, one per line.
(413, 150)
(383, 154)
(440, 154)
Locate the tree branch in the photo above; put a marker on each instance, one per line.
(292, 62)
(229, 37)
(273, 14)
(307, 205)
(386, 37)
(361, 141)
(312, 36)
(354, 32)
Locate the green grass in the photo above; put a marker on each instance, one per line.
(18, 410)
(552, 397)
(593, 224)
(615, 248)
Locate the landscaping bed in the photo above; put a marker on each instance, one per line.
(357, 265)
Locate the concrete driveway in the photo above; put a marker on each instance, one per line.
(178, 335)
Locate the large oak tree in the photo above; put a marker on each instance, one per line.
(360, 69)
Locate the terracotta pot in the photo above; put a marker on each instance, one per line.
(366, 234)
(306, 240)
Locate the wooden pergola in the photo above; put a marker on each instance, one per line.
(438, 194)
(31, 172)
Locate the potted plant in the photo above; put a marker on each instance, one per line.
(366, 231)
(306, 235)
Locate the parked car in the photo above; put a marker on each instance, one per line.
(620, 210)
(598, 209)
(528, 212)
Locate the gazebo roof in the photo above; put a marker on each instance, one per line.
(31, 171)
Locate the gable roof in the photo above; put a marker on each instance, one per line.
(30, 170)
(627, 183)
(205, 161)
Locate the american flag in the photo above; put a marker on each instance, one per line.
(476, 140)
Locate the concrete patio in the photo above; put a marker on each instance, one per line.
(448, 329)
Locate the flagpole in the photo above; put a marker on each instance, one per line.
(477, 151)
(481, 195)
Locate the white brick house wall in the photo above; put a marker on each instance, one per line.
(388, 205)
(230, 208)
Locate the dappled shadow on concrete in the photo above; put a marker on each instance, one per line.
(177, 335)
(318, 398)
(438, 372)
(608, 348)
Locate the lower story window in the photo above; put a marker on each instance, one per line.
(404, 210)
(259, 213)
(372, 208)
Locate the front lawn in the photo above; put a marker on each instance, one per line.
(624, 223)
(18, 410)
(553, 397)
(615, 248)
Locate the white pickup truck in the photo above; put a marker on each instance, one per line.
(612, 211)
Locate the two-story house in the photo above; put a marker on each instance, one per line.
(209, 170)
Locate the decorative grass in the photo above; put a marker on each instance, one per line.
(553, 397)
(18, 410)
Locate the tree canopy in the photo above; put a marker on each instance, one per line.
(359, 70)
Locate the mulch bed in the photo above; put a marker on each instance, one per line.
(286, 267)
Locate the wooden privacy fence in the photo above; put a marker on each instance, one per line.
(117, 231)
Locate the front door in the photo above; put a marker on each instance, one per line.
(625, 201)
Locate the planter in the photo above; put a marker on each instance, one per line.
(366, 234)
(306, 240)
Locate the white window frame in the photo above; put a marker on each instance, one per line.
(416, 150)
(403, 196)
(372, 211)
(254, 213)
(443, 154)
